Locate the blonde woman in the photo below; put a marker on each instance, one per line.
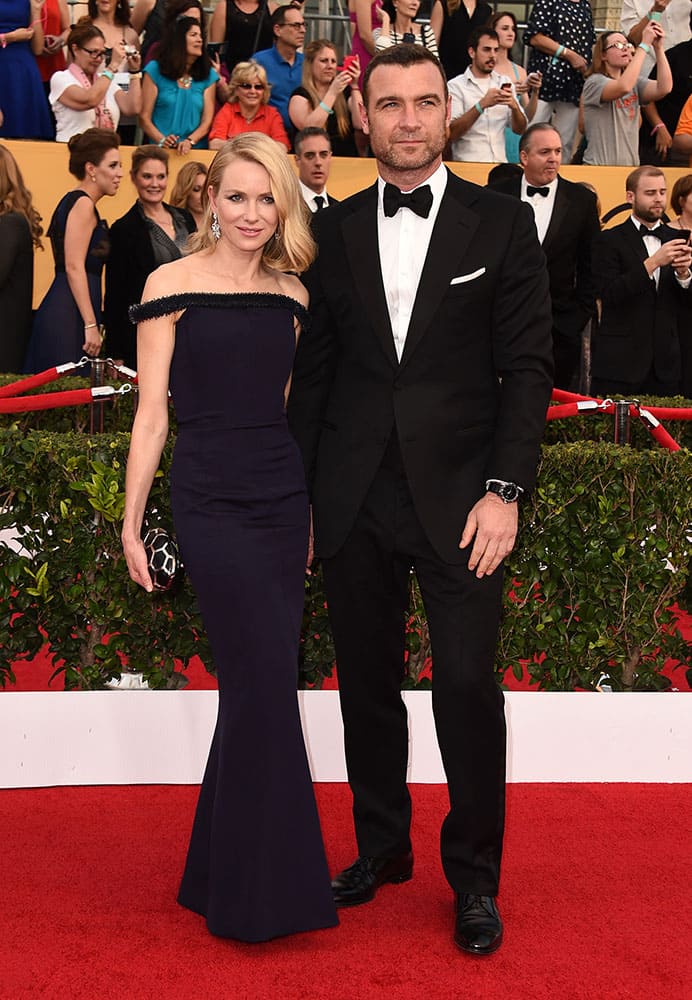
(189, 188)
(20, 232)
(247, 109)
(220, 327)
(328, 97)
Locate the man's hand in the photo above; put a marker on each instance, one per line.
(494, 96)
(664, 141)
(675, 252)
(494, 525)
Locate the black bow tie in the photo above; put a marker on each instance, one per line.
(531, 191)
(419, 201)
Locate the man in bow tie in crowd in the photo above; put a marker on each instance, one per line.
(418, 399)
(567, 224)
(643, 277)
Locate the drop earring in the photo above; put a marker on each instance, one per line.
(215, 227)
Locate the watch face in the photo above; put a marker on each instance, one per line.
(509, 492)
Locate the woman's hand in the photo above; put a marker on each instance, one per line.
(170, 141)
(184, 147)
(136, 559)
(576, 61)
(134, 62)
(92, 341)
(653, 34)
(340, 82)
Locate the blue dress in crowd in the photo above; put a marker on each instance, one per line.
(22, 98)
(178, 110)
(58, 332)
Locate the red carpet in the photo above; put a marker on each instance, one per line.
(595, 898)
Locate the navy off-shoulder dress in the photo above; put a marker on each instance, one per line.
(256, 867)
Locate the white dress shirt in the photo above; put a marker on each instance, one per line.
(542, 205)
(309, 196)
(484, 142)
(403, 242)
(652, 242)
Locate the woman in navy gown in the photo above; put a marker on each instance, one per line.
(67, 324)
(220, 327)
(22, 98)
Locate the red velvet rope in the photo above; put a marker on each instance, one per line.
(46, 402)
(34, 381)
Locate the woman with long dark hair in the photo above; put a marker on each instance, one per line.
(178, 90)
(67, 324)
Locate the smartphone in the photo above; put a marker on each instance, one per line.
(215, 49)
(683, 234)
(348, 62)
(107, 55)
(424, 12)
(130, 50)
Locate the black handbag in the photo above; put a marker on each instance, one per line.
(163, 557)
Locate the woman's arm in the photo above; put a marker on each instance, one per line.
(276, 128)
(130, 101)
(627, 80)
(364, 25)
(437, 19)
(139, 14)
(382, 36)
(663, 84)
(149, 94)
(217, 25)
(547, 45)
(197, 134)
(38, 39)
(155, 342)
(80, 225)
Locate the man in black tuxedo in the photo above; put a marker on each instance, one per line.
(567, 223)
(642, 271)
(419, 397)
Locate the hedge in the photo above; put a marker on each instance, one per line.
(603, 553)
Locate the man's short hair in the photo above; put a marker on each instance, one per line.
(277, 18)
(402, 55)
(633, 178)
(478, 33)
(309, 132)
(525, 139)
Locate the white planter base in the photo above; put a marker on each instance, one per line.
(162, 737)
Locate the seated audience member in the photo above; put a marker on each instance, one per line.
(561, 35)
(681, 203)
(459, 19)
(614, 91)
(25, 112)
(150, 234)
(682, 140)
(673, 16)
(188, 190)
(313, 154)
(178, 90)
(660, 118)
(283, 62)
(20, 232)
(505, 24)
(86, 95)
(328, 98)
(503, 172)
(173, 10)
(147, 17)
(484, 104)
(566, 222)
(244, 27)
(55, 18)
(645, 296)
(398, 25)
(248, 109)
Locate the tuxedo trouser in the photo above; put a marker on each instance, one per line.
(367, 586)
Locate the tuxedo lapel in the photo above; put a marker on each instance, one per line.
(359, 231)
(558, 217)
(633, 237)
(452, 234)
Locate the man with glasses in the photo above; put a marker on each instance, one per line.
(283, 62)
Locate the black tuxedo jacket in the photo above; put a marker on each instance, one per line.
(567, 246)
(130, 263)
(639, 325)
(469, 397)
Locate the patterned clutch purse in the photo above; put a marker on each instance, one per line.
(163, 557)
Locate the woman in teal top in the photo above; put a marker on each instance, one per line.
(178, 89)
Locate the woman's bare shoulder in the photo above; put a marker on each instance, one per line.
(292, 286)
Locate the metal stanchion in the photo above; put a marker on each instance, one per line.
(622, 422)
(98, 373)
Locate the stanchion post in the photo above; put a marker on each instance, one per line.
(98, 372)
(622, 422)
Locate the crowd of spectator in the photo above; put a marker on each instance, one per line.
(619, 98)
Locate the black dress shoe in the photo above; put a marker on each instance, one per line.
(358, 883)
(478, 927)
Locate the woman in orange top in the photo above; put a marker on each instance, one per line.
(247, 109)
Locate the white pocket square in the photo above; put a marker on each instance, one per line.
(468, 277)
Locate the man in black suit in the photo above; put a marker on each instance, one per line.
(313, 156)
(419, 397)
(567, 223)
(642, 271)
